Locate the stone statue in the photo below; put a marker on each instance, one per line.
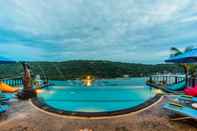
(28, 91)
(27, 82)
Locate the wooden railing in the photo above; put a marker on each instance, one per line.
(16, 81)
(192, 82)
(171, 79)
(165, 79)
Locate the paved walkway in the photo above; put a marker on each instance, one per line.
(24, 117)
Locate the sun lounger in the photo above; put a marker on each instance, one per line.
(173, 88)
(4, 97)
(192, 91)
(3, 108)
(4, 100)
(6, 88)
(177, 87)
(189, 112)
(187, 98)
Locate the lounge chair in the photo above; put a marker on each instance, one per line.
(179, 87)
(4, 97)
(4, 101)
(186, 111)
(173, 88)
(192, 91)
(187, 98)
(7, 88)
(3, 108)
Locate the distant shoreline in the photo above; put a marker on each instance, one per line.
(70, 70)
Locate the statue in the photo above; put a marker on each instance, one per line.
(27, 77)
(28, 91)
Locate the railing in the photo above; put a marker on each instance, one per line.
(192, 82)
(171, 79)
(16, 81)
(166, 79)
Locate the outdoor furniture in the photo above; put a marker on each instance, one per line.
(187, 98)
(3, 108)
(4, 98)
(173, 88)
(7, 88)
(191, 91)
(185, 111)
(176, 87)
(194, 105)
(187, 58)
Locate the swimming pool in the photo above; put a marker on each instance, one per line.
(104, 97)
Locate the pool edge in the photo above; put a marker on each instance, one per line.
(100, 115)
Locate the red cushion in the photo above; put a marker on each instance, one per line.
(191, 91)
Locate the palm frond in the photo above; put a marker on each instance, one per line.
(192, 68)
(175, 52)
(189, 48)
(189, 68)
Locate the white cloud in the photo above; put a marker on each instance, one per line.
(112, 29)
(189, 19)
(19, 52)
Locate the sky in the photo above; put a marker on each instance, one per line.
(135, 31)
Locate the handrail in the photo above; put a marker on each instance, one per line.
(192, 82)
(13, 81)
(166, 79)
(171, 79)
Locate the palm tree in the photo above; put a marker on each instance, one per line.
(189, 69)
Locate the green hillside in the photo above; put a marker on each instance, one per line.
(76, 69)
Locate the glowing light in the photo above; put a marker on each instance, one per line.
(88, 80)
(38, 91)
(86, 129)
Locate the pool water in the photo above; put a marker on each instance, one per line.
(102, 96)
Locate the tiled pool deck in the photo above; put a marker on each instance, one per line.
(25, 117)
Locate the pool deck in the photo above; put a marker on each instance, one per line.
(24, 117)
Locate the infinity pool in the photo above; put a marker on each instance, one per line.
(104, 96)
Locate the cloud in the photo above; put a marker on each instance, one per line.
(190, 19)
(130, 31)
(16, 51)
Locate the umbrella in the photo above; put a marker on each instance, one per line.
(187, 57)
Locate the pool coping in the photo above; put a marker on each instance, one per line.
(48, 109)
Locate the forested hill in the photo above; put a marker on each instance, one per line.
(76, 69)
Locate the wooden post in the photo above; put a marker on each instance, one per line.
(150, 78)
(193, 82)
(176, 79)
(14, 82)
(167, 79)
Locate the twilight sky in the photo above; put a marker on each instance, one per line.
(139, 31)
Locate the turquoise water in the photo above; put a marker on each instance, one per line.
(102, 96)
